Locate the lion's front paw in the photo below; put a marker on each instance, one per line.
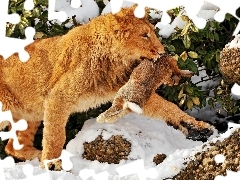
(193, 129)
(198, 133)
(55, 165)
(101, 118)
(110, 118)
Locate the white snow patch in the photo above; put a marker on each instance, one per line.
(134, 107)
(108, 7)
(219, 158)
(235, 91)
(88, 9)
(148, 138)
(235, 43)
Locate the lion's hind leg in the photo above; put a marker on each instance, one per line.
(25, 138)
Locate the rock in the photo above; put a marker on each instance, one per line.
(229, 64)
(111, 151)
(204, 165)
(159, 158)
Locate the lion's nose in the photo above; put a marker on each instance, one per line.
(161, 51)
(157, 51)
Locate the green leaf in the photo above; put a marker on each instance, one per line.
(189, 104)
(193, 54)
(192, 66)
(202, 52)
(185, 29)
(228, 17)
(186, 41)
(204, 102)
(216, 36)
(171, 48)
(235, 109)
(184, 56)
(208, 58)
(218, 55)
(194, 28)
(174, 36)
(189, 90)
(37, 11)
(10, 30)
(185, 18)
(196, 101)
(38, 25)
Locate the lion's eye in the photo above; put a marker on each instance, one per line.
(145, 35)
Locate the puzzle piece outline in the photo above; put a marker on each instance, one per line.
(67, 164)
(192, 11)
(20, 125)
(8, 162)
(87, 173)
(7, 48)
(28, 171)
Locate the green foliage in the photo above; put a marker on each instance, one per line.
(194, 48)
(37, 18)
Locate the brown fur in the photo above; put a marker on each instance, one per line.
(144, 80)
(75, 72)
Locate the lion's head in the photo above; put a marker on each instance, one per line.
(131, 37)
(137, 35)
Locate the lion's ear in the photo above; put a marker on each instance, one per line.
(140, 12)
(130, 11)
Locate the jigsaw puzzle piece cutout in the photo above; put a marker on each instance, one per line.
(28, 5)
(28, 171)
(230, 175)
(116, 5)
(52, 14)
(5, 17)
(7, 48)
(87, 173)
(6, 43)
(67, 164)
(16, 126)
(76, 3)
(226, 8)
(164, 6)
(8, 162)
(137, 167)
(192, 12)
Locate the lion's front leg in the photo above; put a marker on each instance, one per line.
(159, 108)
(56, 115)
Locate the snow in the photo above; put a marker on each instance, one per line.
(219, 158)
(235, 91)
(235, 43)
(88, 9)
(156, 137)
(133, 106)
(206, 12)
(108, 7)
(168, 29)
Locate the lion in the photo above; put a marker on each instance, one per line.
(74, 72)
(144, 80)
